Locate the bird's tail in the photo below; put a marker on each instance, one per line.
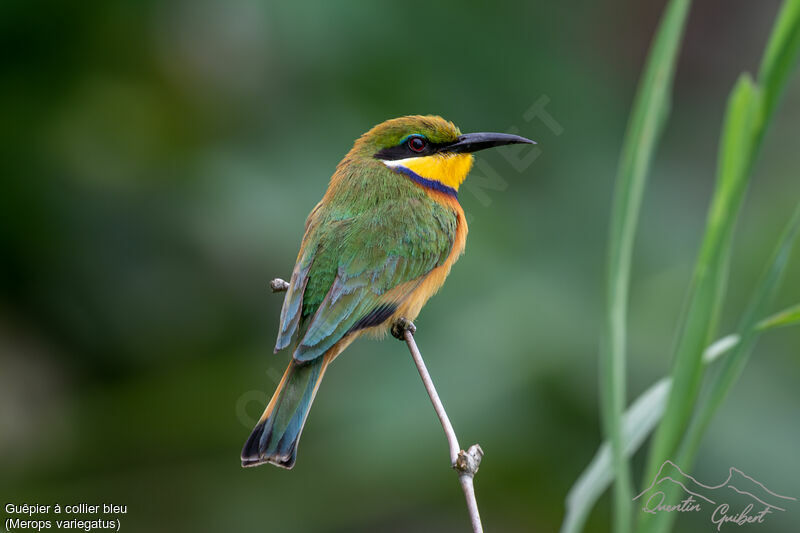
(274, 439)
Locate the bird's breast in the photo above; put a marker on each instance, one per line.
(434, 280)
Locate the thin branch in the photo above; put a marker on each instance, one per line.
(466, 463)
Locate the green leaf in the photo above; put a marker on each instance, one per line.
(780, 56)
(748, 115)
(731, 368)
(648, 116)
(750, 109)
(789, 317)
(639, 421)
(710, 274)
(749, 330)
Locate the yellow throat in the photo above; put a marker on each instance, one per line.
(448, 169)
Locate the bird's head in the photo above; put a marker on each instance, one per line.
(429, 149)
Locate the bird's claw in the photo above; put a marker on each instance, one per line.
(278, 285)
(400, 326)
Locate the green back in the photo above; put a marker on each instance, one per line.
(375, 231)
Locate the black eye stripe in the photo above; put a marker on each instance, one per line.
(404, 150)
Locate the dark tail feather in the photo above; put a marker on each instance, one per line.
(274, 439)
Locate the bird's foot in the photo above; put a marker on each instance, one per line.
(278, 285)
(400, 326)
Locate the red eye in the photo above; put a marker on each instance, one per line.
(417, 144)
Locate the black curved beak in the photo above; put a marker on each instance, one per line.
(472, 142)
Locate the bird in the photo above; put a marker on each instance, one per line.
(377, 246)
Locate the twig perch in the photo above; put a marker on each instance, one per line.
(466, 463)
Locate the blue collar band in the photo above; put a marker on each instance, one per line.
(425, 182)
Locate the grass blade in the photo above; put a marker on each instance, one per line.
(648, 116)
(710, 274)
(789, 317)
(748, 115)
(780, 57)
(638, 422)
(733, 365)
(749, 330)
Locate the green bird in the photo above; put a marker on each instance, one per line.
(379, 244)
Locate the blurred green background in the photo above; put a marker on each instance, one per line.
(159, 160)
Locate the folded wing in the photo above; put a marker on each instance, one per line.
(365, 266)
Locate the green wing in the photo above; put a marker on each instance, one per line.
(348, 264)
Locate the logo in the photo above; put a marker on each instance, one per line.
(738, 500)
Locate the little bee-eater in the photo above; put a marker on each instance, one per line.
(378, 245)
